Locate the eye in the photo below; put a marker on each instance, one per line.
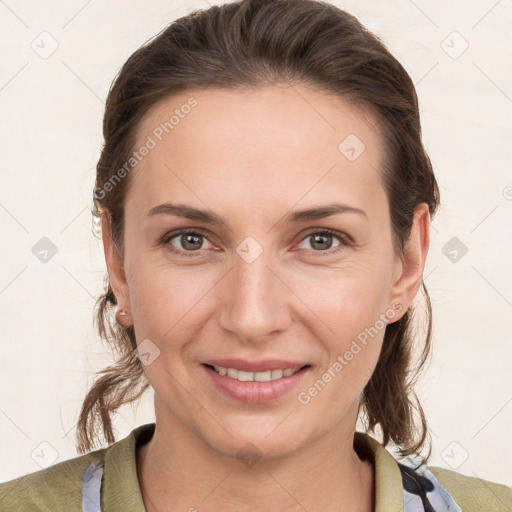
(185, 241)
(188, 242)
(322, 240)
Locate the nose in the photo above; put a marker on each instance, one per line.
(255, 304)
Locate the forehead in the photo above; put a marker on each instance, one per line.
(275, 145)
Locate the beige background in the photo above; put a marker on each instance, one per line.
(51, 111)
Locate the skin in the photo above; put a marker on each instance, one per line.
(252, 156)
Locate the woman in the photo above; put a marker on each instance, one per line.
(264, 199)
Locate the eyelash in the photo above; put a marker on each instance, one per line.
(345, 240)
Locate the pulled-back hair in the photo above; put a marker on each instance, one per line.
(257, 43)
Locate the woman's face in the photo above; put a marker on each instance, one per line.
(255, 279)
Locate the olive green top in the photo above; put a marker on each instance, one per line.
(60, 487)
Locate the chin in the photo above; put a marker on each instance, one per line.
(261, 442)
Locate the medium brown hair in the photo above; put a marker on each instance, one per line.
(257, 43)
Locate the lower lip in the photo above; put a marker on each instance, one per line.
(255, 392)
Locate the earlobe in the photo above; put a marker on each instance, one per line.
(410, 276)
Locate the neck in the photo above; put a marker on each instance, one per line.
(176, 474)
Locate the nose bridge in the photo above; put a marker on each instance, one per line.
(256, 299)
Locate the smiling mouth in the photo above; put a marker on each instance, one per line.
(267, 376)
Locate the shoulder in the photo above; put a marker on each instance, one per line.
(56, 488)
(472, 493)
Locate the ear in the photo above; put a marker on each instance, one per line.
(409, 268)
(116, 273)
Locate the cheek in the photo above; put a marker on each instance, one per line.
(351, 331)
(167, 301)
(166, 313)
(348, 312)
(348, 298)
(358, 324)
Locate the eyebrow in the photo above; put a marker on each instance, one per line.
(294, 216)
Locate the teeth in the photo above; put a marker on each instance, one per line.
(244, 376)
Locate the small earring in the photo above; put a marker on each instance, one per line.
(119, 313)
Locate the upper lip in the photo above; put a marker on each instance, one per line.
(255, 366)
